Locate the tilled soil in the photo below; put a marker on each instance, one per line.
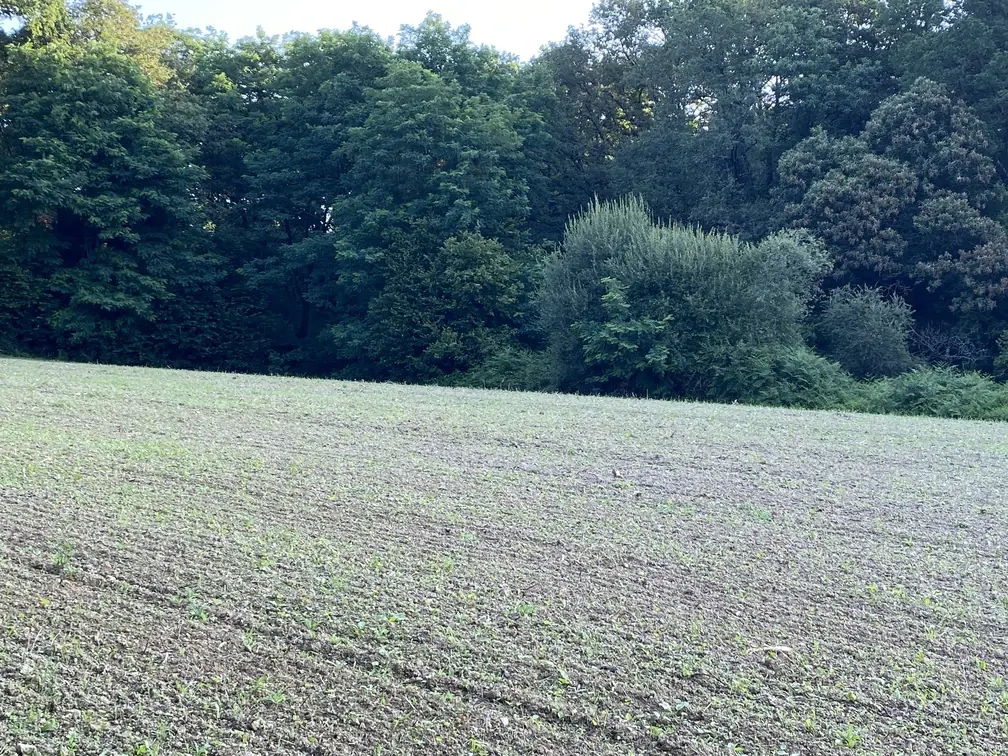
(195, 563)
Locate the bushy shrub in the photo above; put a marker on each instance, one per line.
(784, 377)
(572, 288)
(511, 369)
(866, 332)
(941, 392)
(633, 307)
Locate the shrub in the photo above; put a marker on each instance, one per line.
(511, 369)
(785, 377)
(867, 333)
(942, 392)
(572, 287)
(634, 307)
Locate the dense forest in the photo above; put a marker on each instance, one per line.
(793, 202)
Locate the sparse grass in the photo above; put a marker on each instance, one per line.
(213, 564)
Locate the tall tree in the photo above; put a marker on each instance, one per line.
(967, 51)
(429, 163)
(909, 204)
(300, 101)
(98, 200)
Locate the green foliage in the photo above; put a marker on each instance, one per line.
(443, 313)
(851, 199)
(942, 392)
(449, 53)
(786, 376)
(431, 161)
(908, 203)
(634, 307)
(968, 53)
(866, 333)
(334, 204)
(284, 180)
(511, 369)
(723, 112)
(98, 202)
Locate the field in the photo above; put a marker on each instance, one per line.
(196, 563)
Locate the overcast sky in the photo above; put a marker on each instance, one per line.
(517, 26)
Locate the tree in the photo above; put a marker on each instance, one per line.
(906, 204)
(444, 313)
(98, 201)
(293, 106)
(449, 53)
(428, 164)
(967, 51)
(731, 85)
(338, 204)
(855, 200)
(43, 21)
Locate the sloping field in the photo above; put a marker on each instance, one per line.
(216, 564)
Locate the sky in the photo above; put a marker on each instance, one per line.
(516, 26)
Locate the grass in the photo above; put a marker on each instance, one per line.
(215, 564)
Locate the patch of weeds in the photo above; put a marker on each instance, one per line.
(525, 609)
(149, 747)
(249, 642)
(182, 688)
(395, 618)
(264, 689)
(61, 560)
(265, 563)
(742, 685)
(71, 743)
(446, 566)
(671, 506)
(658, 732)
(849, 737)
(809, 725)
(312, 624)
(198, 611)
(1001, 701)
(337, 583)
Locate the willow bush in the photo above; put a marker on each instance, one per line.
(637, 307)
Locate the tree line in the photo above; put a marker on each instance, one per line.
(798, 203)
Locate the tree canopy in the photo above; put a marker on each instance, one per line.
(667, 193)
